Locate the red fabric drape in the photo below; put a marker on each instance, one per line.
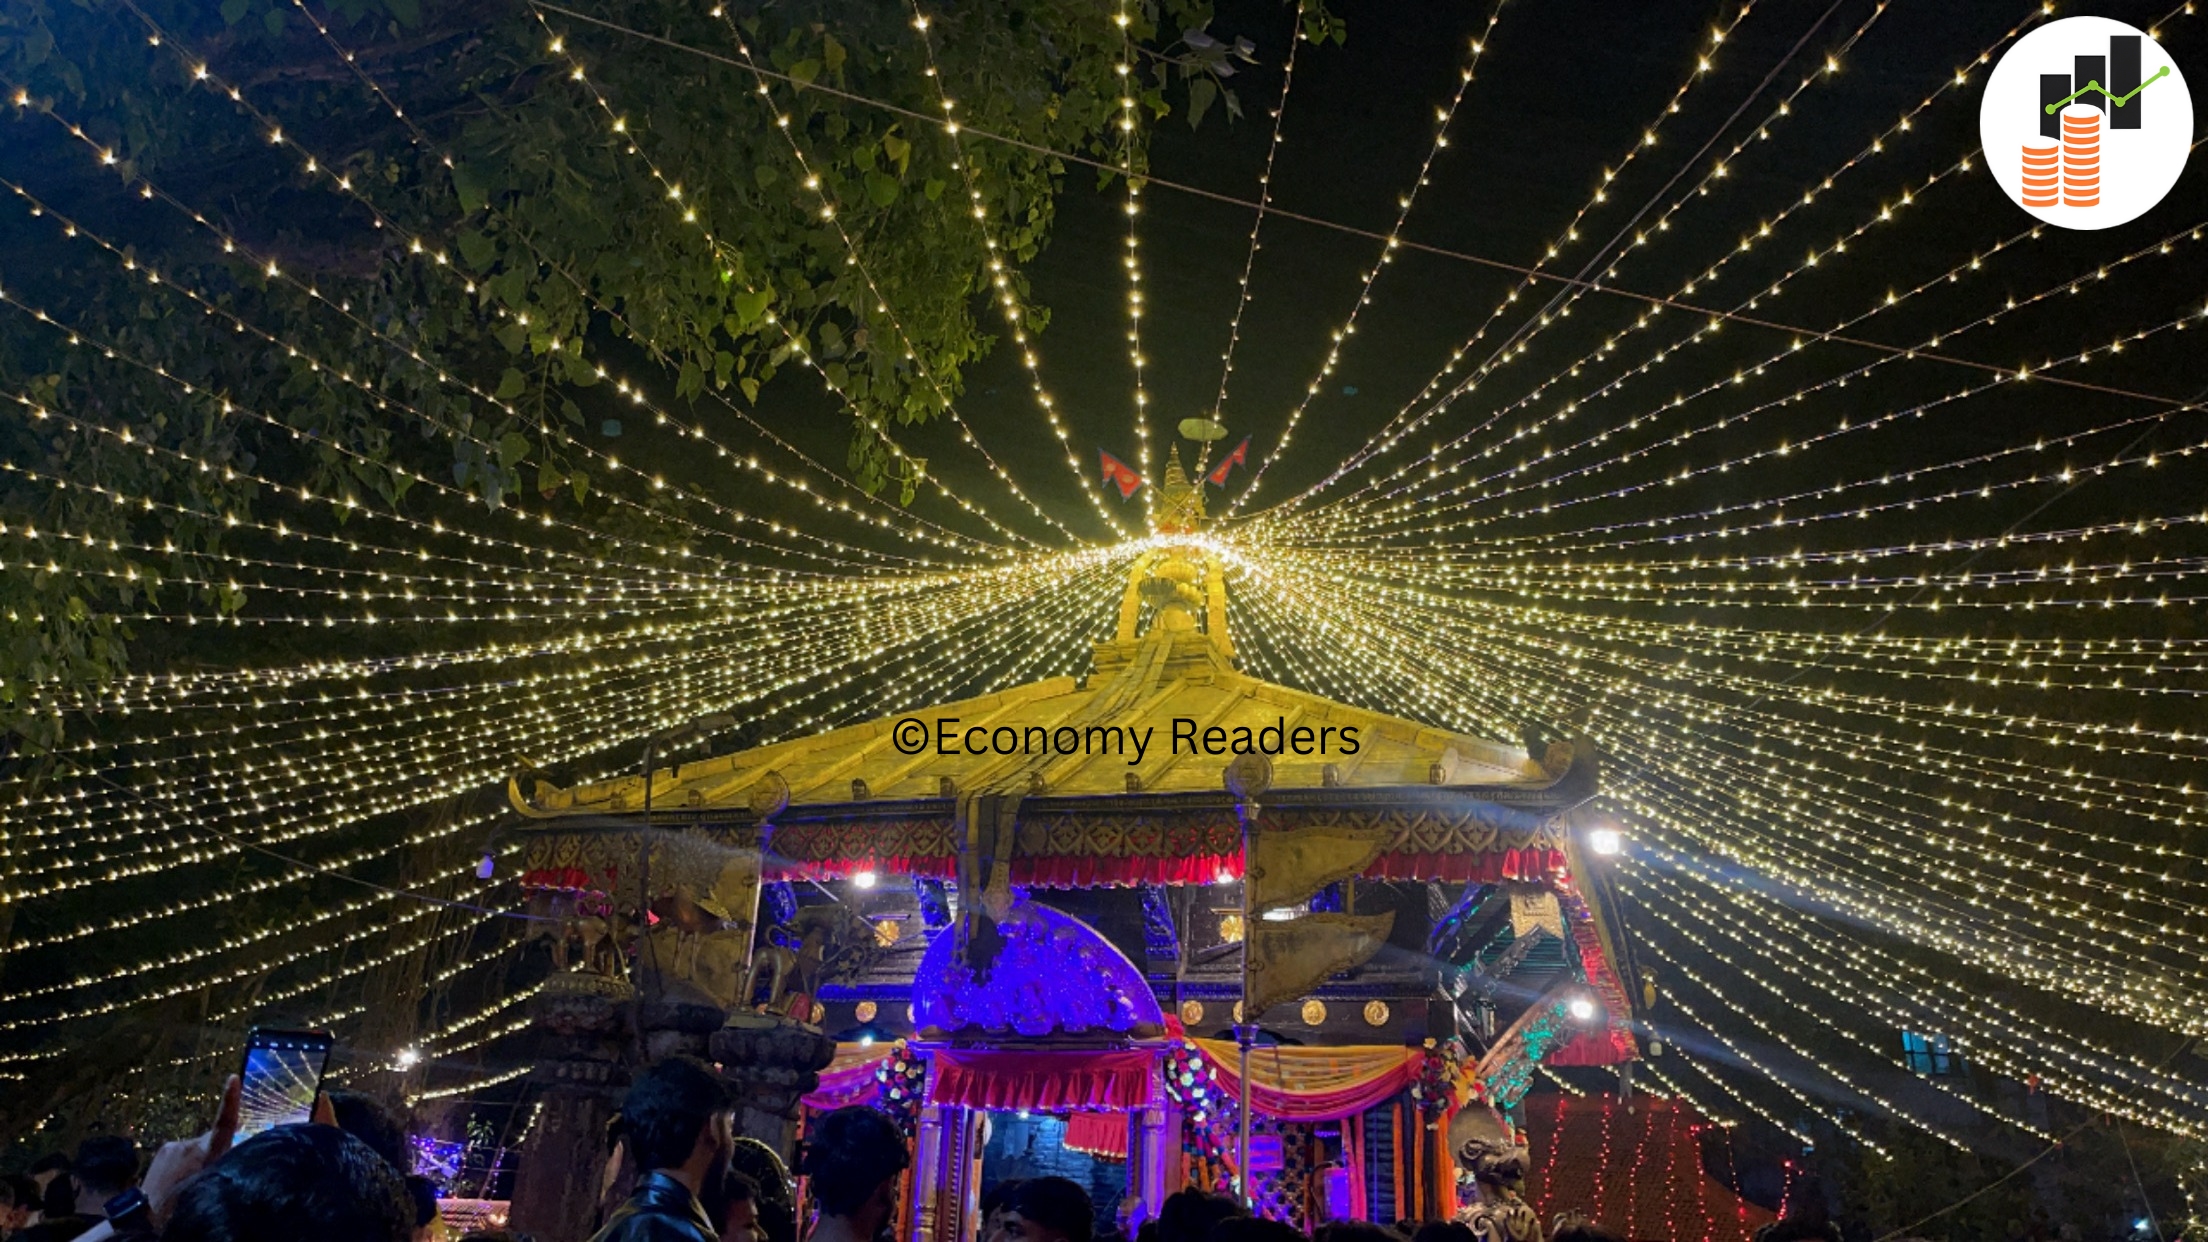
(778, 868)
(1526, 864)
(1044, 1081)
(1092, 871)
(1098, 1134)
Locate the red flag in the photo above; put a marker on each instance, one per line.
(1241, 454)
(1120, 475)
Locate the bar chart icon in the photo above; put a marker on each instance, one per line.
(2086, 122)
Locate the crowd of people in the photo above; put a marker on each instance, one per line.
(681, 1174)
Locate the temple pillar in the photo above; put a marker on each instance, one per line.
(580, 1075)
(772, 1062)
(1154, 1158)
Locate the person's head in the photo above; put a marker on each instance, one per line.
(1253, 1229)
(106, 1166)
(853, 1158)
(368, 1119)
(678, 1117)
(1188, 1215)
(294, 1182)
(60, 1197)
(1352, 1231)
(1444, 1231)
(1049, 1209)
(731, 1202)
(48, 1167)
(994, 1202)
(19, 1197)
(422, 1193)
(773, 1204)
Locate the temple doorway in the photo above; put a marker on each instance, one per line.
(1080, 1147)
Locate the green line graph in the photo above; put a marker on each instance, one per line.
(2117, 100)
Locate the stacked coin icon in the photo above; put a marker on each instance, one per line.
(2042, 173)
(2081, 156)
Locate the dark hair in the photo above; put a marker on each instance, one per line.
(51, 1162)
(1445, 1231)
(666, 1108)
(1352, 1231)
(106, 1164)
(1253, 1229)
(17, 1190)
(1058, 1204)
(60, 1198)
(849, 1155)
(368, 1119)
(1188, 1215)
(293, 1182)
(423, 1193)
(494, 1235)
(720, 1194)
(776, 1207)
(999, 1195)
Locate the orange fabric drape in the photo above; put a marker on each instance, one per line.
(1315, 1083)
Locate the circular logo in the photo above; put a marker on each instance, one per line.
(2086, 123)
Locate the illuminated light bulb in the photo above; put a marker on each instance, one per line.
(864, 879)
(1607, 842)
(408, 1058)
(1582, 1009)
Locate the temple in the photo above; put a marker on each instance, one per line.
(1034, 934)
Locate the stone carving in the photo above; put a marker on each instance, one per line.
(830, 939)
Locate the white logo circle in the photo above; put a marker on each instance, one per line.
(2086, 123)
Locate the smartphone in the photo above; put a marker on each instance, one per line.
(282, 1074)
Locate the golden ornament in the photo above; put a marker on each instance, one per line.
(820, 1013)
(1376, 1013)
(866, 1011)
(1192, 1012)
(1230, 929)
(1314, 1012)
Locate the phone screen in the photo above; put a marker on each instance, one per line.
(283, 1071)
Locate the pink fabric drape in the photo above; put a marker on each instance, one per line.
(849, 1079)
(1044, 1081)
(1525, 864)
(1355, 1097)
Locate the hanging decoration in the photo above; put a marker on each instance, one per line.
(900, 1079)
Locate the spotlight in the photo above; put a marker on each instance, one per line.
(866, 1039)
(1282, 914)
(1582, 1009)
(1224, 877)
(1605, 841)
(409, 1058)
(863, 879)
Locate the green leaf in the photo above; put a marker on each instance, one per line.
(933, 188)
(766, 175)
(899, 152)
(479, 251)
(548, 478)
(407, 12)
(751, 305)
(580, 482)
(512, 448)
(1202, 92)
(513, 336)
(37, 45)
(234, 11)
(512, 384)
(833, 53)
(471, 191)
(691, 382)
(273, 20)
(805, 70)
(751, 389)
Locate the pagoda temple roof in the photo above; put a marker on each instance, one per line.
(1145, 685)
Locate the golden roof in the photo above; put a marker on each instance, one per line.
(1175, 676)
